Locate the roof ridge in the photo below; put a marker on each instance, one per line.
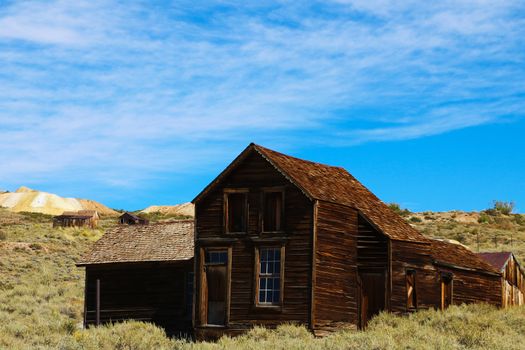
(297, 158)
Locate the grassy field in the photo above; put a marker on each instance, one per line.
(41, 297)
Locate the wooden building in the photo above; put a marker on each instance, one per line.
(464, 277)
(141, 272)
(81, 218)
(513, 276)
(131, 219)
(279, 239)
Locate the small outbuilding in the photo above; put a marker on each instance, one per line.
(81, 218)
(513, 277)
(141, 272)
(131, 219)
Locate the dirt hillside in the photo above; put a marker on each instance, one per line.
(28, 200)
(186, 209)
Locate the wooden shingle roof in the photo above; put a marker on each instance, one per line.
(457, 255)
(167, 241)
(333, 184)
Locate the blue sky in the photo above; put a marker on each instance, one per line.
(142, 103)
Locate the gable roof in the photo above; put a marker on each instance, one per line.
(131, 215)
(332, 184)
(456, 255)
(166, 241)
(496, 259)
(80, 214)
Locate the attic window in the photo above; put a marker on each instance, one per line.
(411, 289)
(236, 213)
(273, 211)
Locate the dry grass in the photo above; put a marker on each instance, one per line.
(41, 300)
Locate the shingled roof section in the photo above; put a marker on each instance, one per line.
(496, 259)
(335, 184)
(455, 254)
(167, 241)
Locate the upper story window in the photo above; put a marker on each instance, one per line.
(236, 211)
(273, 210)
(411, 289)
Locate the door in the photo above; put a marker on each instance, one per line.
(216, 269)
(446, 291)
(372, 295)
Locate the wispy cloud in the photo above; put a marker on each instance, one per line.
(143, 89)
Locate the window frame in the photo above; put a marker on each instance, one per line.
(226, 217)
(257, 275)
(264, 191)
(411, 299)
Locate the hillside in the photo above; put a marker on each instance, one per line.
(41, 296)
(480, 231)
(185, 209)
(25, 199)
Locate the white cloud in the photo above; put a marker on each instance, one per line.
(140, 89)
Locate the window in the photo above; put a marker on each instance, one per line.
(216, 257)
(411, 289)
(446, 290)
(269, 276)
(236, 211)
(273, 211)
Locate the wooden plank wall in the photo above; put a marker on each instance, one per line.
(513, 285)
(372, 248)
(335, 293)
(473, 287)
(414, 256)
(152, 292)
(255, 173)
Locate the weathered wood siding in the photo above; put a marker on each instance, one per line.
(255, 173)
(472, 287)
(372, 247)
(513, 284)
(335, 286)
(413, 256)
(152, 292)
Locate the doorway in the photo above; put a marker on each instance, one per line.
(371, 295)
(216, 271)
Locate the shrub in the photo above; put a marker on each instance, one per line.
(504, 208)
(483, 218)
(518, 218)
(415, 219)
(397, 209)
(3, 235)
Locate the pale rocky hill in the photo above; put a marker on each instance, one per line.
(27, 200)
(186, 209)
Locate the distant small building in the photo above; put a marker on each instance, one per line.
(513, 276)
(132, 219)
(81, 218)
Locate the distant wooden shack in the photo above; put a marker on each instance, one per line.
(131, 219)
(141, 272)
(81, 218)
(513, 276)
